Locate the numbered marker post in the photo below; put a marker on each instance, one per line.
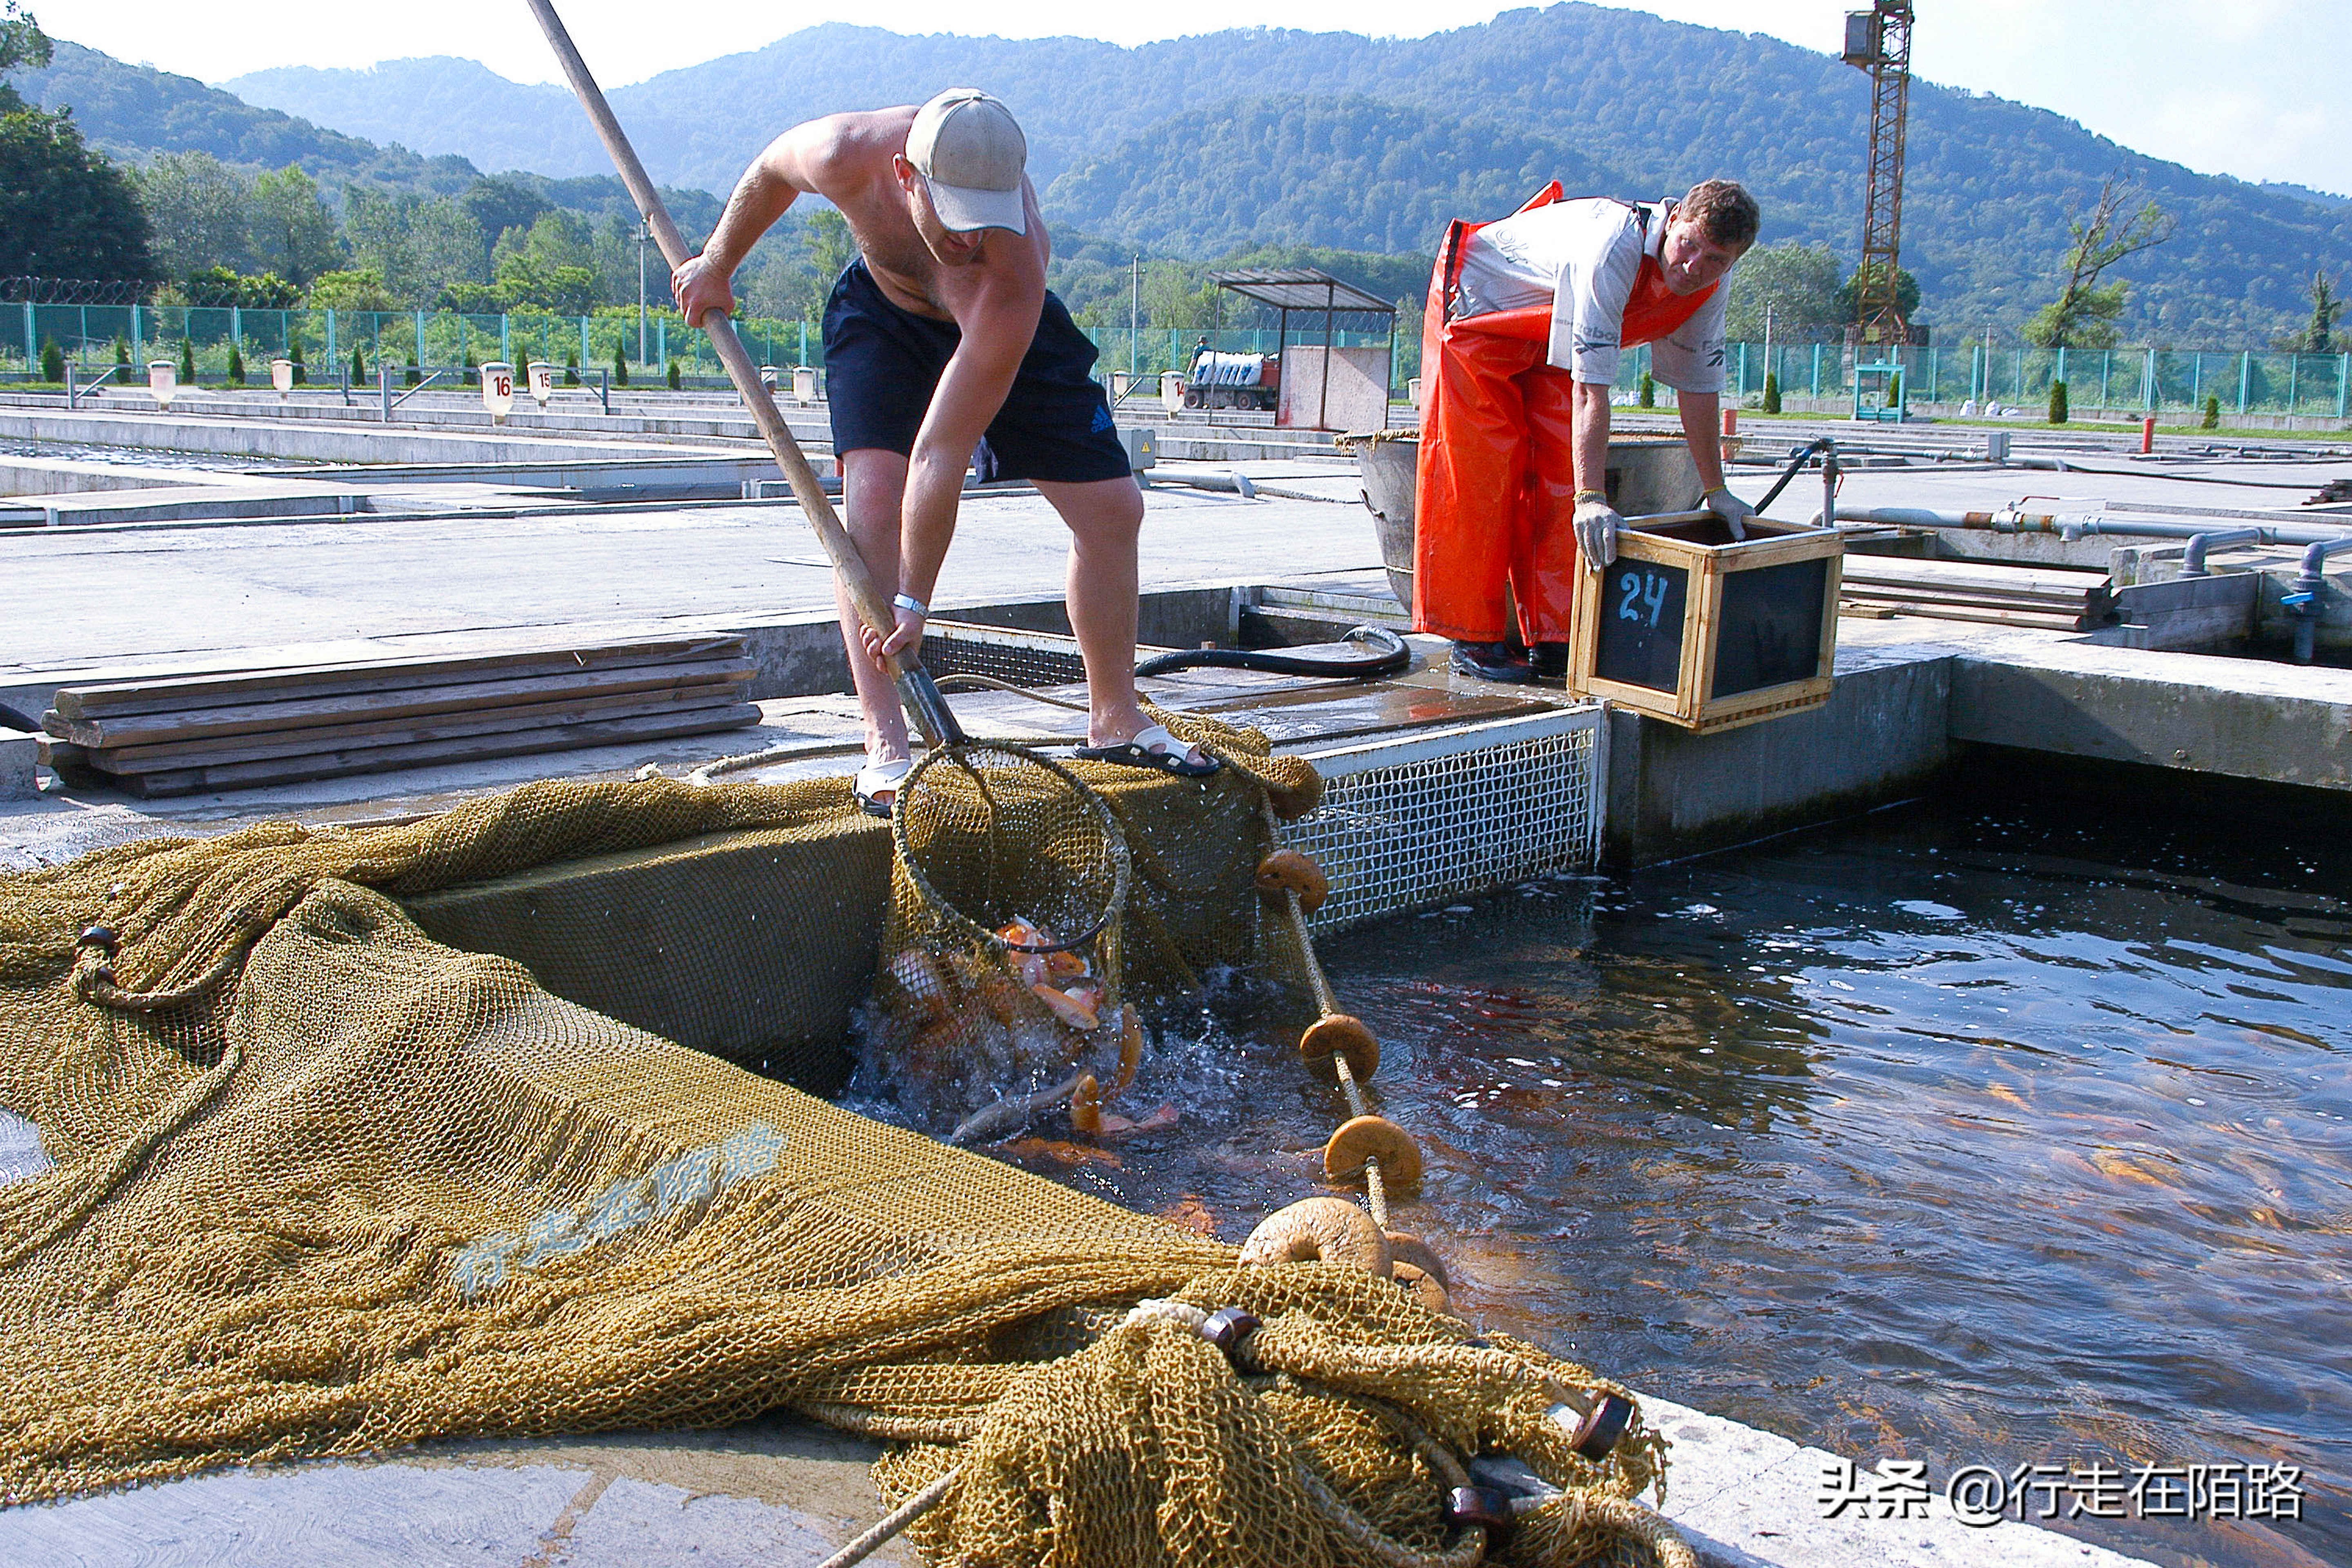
(543, 383)
(498, 390)
(163, 382)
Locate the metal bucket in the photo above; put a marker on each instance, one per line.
(1646, 475)
(1386, 461)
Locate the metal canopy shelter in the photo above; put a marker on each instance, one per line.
(1288, 288)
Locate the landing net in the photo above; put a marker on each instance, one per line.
(326, 1187)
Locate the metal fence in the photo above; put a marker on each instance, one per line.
(93, 335)
(2099, 382)
(2122, 381)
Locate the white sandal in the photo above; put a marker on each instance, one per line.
(877, 784)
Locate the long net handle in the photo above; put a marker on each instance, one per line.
(915, 688)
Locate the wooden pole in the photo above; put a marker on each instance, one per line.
(915, 689)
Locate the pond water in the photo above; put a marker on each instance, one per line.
(147, 456)
(1995, 1136)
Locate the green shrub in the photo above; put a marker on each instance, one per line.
(53, 360)
(294, 352)
(122, 354)
(235, 365)
(676, 381)
(571, 370)
(1772, 393)
(1645, 392)
(2058, 403)
(2212, 411)
(359, 367)
(620, 367)
(187, 363)
(412, 377)
(1895, 389)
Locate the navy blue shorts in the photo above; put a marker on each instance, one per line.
(883, 362)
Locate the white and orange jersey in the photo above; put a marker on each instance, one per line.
(1592, 262)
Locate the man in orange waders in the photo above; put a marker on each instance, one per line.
(1519, 346)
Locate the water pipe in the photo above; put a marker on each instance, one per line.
(2302, 601)
(2192, 562)
(2009, 520)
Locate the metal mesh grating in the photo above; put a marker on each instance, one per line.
(1023, 658)
(1422, 818)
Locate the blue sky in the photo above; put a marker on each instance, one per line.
(2240, 87)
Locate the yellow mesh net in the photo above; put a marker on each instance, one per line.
(324, 1186)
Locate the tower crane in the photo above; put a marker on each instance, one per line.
(1879, 41)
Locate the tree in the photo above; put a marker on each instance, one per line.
(1176, 294)
(1798, 282)
(220, 288)
(2058, 409)
(22, 43)
(201, 210)
(293, 234)
(2325, 305)
(2086, 312)
(831, 246)
(53, 360)
(1907, 295)
(235, 365)
(65, 211)
(358, 288)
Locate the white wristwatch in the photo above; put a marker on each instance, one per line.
(908, 602)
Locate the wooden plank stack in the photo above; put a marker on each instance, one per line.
(2054, 599)
(242, 729)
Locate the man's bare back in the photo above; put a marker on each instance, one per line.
(852, 161)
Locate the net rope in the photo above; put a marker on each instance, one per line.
(325, 1187)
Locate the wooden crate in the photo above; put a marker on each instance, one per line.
(1689, 627)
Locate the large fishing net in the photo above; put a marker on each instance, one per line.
(327, 1186)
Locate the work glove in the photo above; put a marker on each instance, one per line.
(1596, 524)
(1734, 512)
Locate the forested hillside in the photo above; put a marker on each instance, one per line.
(1171, 144)
(132, 111)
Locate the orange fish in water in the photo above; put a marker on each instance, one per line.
(1062, 1152)
(1078, 1011)
(1189, 1213)
(1063, 967)
(1167, 1116)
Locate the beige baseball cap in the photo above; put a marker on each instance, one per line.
(974, 160)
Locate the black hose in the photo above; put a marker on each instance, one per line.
(1392, 657)
(1796, 466)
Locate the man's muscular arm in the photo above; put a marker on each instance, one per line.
(997, 328)
(792, 165)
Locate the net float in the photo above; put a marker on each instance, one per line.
(1417, 1267)
(1320, 1230)
(1288, 871)
(1363, 1139)
(1348, 1036)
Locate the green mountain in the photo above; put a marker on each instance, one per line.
(1353, 172)
(132, 111)
(1178, 143)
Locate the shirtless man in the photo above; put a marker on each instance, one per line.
(944, 350)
